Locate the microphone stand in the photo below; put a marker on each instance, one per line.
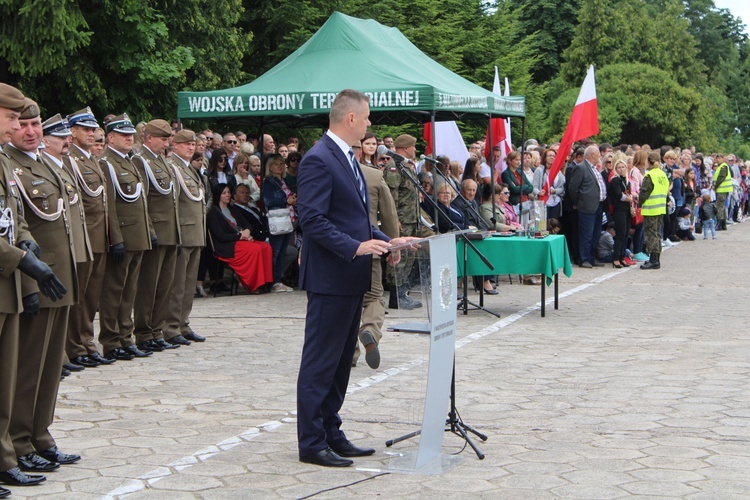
(465, 302)
(454, 422)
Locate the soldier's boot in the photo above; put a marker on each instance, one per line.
(653, 262)
(406, 302)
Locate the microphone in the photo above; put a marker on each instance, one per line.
(431, 160)
(382, 150)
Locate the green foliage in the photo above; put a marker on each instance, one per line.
(38, 36)
(673, 71)
(554, 23)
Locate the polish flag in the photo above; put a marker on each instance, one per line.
(583, 123)
(497, 126)
(507, 144)
(449, 141)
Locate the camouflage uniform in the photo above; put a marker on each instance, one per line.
(406, 197)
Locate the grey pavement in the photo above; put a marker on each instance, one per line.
(639, 385)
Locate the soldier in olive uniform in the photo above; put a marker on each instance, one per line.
(55, 155)
(193, 231)
(131, 234)
(42, 345)
(405, 195)
(81, 348)
(158, 266)
(17, 253)
(382, 211)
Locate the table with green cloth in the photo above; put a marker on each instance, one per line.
(519, 255)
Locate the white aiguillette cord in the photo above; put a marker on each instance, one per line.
(86, 189)
(152, 179)
(130, 198)
(48, 217)
(178, 174)
(7, 225)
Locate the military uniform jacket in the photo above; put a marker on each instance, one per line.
(93, 193)
(77, 219)
(163, 192)
(404, 192)
(192, 208)
(128, 221)
(11, 212)
(47, 214)
(382, 206)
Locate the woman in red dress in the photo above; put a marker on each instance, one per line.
(239, 240)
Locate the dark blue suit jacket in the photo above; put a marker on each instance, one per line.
(334, 221)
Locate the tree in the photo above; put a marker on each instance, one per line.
(123, 55)
(553, 22)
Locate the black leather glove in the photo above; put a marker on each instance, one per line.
(179, 249)
(154, 242)
(48, 283)
(30, 246)
(117, 252)
(31, 305)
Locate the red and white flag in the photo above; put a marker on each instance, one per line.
(583, 123)
(507, 144)
(497, 126)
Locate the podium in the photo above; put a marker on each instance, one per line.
(436, 261)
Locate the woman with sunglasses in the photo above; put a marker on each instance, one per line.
(292, 166)
(505, 216)
(218, 170)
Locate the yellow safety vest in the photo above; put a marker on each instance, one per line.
(726, 185)
(656, 203)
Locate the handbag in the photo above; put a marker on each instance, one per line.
(637, 216)
(280, 221)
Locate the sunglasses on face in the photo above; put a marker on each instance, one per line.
(209, 138)
(231, 142)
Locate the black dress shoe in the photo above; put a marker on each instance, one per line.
(373, 355)
(326, 458)
(33, 462)
(84, 361)
(4, 492)
(137, 352)
(55, 455)
(14, 477)
(194, 337)
(166, 345)
(348, 449)
(150, 346)
(179, 340)
(64, 373)
(101, 359)
(119, 353)
(72, 367)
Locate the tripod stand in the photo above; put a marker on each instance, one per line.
(453, 424)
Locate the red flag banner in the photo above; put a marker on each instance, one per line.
(583, 123)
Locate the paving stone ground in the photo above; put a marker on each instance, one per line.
(639, 385)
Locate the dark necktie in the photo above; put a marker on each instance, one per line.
(355, 169)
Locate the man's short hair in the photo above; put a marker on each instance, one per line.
(347, 101)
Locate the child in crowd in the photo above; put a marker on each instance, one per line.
(707, 214)
(605, 249)
(685, 225)
(554, 226)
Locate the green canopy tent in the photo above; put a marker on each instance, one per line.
(404, 85)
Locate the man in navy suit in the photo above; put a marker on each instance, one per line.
(337, 248)
(587, 191)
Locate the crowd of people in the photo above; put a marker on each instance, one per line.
(92, 211)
